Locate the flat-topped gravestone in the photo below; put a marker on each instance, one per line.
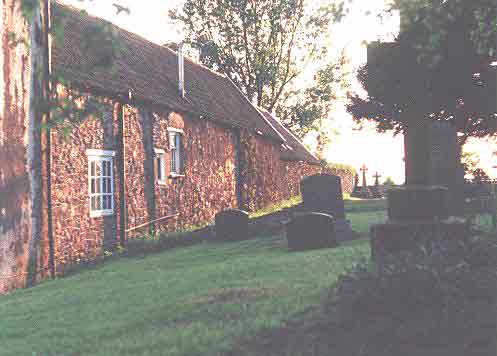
(322, 193)
(232, 225)
(307, 231)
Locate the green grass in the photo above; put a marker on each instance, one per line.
(276, 207)
(190, 301)
(200, 300)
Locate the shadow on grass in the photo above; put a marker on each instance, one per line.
(317, 333)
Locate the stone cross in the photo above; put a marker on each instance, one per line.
(364, 169)
(377, 179)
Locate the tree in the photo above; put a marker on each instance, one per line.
(440, 67)
(389, 181)
(303, 110)
(470, 162)
(34, 37)
(262, 46)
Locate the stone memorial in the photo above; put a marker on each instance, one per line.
(421, 211)
(307, 231)
(322, 193)
(356, 193)
(375, 190)
(445, 164)
(232, 225)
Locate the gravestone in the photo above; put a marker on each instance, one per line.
(445, 164)
(375, 190)
(322, 193)
(232, 225)
(420, 211)
(306, 231)
(356, 193)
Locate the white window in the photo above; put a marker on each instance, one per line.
(176, 146)
(101, 182)
(160, 166)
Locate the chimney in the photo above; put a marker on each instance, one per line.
(181, 70)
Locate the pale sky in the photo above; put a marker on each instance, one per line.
(381, 153)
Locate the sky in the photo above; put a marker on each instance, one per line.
(382, 153)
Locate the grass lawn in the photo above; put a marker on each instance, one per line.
(189, 301)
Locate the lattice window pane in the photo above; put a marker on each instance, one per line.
(101, 185)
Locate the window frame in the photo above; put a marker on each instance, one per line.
(175, 137)
(99, 157)
(160, 156)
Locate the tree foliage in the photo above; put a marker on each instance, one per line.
(303, 110)
(262, 46)
(66, 112)
(441, 68)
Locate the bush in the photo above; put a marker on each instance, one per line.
(340, 167)
(441, 297)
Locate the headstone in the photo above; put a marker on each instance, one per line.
(322, 193)
(232, 225)
(307, 231)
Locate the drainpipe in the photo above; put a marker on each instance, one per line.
(48, 148)
(122, 174)
(239, 169)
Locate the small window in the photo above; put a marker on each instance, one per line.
(160, 166)
(176, 146)
(101, 182)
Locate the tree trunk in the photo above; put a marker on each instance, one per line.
(38, 40)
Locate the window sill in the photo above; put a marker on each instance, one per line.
(175, 175)
(98, 214)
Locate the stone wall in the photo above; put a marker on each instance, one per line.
(208, 184)
(77, 236)
(260, 173)
(346, 176)
(292, 172)
(213, 155)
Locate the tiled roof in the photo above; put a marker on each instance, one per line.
(150, 71)
(293, 149)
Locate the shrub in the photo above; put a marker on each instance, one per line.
(441, 295)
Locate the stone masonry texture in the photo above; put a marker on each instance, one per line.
(207, 184)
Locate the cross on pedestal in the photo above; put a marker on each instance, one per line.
(364, 169)
(377, 179)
